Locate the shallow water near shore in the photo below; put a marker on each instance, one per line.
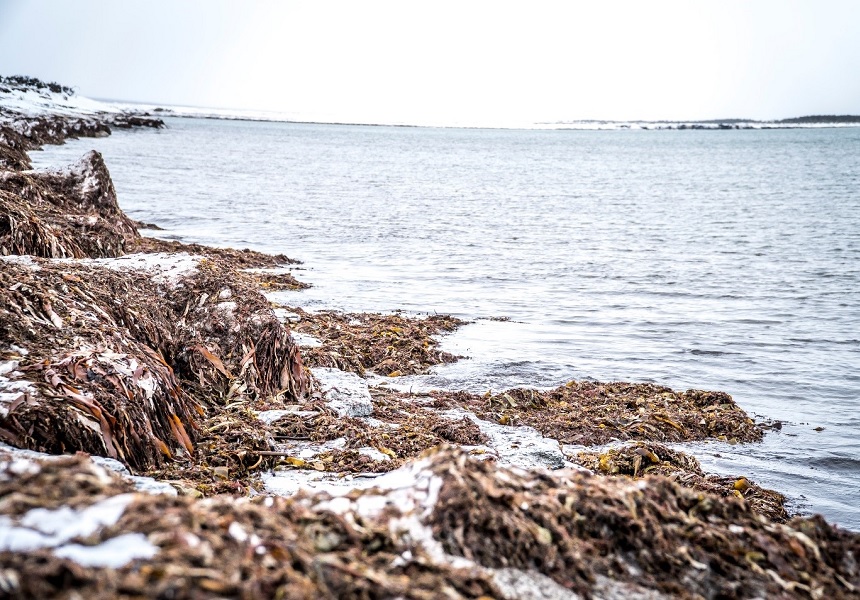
(723, 260)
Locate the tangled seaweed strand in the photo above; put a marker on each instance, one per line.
(573, 527)
(126, 367)
(649, 535)
(260, 549)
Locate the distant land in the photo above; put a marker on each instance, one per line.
(823, 119)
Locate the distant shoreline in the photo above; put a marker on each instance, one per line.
(802, 122)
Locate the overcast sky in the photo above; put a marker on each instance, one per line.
(453, 62)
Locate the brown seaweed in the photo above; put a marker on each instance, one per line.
(592, 413)
(127, 367)
(587, 533)
(384, 344)
(639, 459)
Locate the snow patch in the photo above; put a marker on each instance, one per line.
(519, 446)
(346, 393)
(166, 268)
(304, 340)
(111, 554)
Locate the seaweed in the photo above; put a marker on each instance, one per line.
(592, 413)
(575, 527)
(238, 259)
(70, 213)
(638, 459)
(445, 526)
(389, 345)
(262, 548)
(130, 364)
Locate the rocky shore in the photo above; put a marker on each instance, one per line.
(169, 432)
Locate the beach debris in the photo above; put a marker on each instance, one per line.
(591, 413)
(134, 359)
(244, 260)
(68, 213)
(638, 459)
(444, 524)
(390, 345)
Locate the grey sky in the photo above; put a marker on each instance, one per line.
(453, 62)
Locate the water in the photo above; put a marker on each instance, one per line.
(716, 260)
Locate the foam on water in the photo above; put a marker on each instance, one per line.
(696, 259)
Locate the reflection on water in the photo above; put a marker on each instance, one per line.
(720, 260)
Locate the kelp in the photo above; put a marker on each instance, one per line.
(69, 213)
(575, 527)
(596, 536)
(259, 549)
(592, 413)
(130, 364)
(238, 259)
(389, 345)
(638, 459)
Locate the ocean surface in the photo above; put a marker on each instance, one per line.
(726, 260)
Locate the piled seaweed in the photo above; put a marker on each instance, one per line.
(13, 149)
(133, 363)
(402, 430)
(384, 344)
(69, 213)
(638, 459)
(592, 413)
(260, 549)
(239, 259)
(574, 527)
(444, 526)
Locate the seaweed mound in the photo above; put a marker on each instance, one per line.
(70, 213)
(638, 459)
(127, 357)
(445, 525)
(592, 413)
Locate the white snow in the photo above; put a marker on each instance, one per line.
(519, 446)
(304, 340)
(112, 554)
(34, 103)
(346, 393)
(166, 268)
(286, 316)
(272, 416)
(64, 523)
(21, 260)
(11, 387)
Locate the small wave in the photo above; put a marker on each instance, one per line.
(700, 352)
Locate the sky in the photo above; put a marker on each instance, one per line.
(456, 63)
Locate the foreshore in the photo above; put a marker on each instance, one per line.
(253, 453)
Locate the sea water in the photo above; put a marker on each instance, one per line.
(723, 260)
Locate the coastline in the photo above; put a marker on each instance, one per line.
(326, 405)
(199, 112)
